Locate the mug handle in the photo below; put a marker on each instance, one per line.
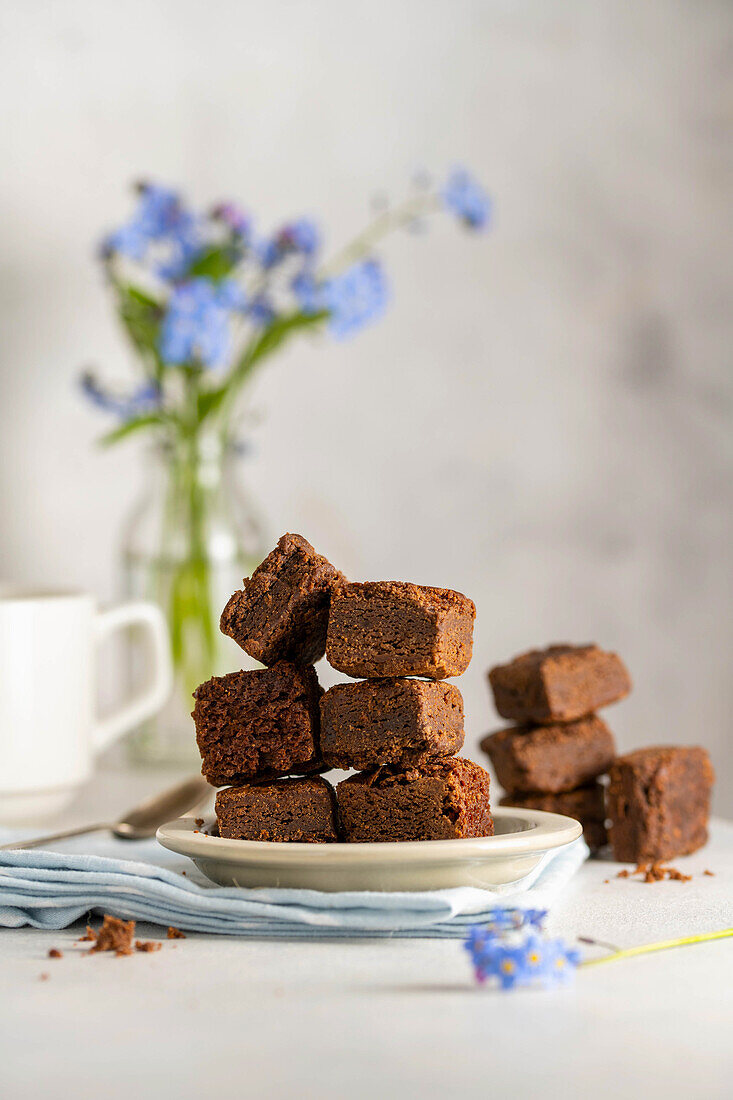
(152, 698)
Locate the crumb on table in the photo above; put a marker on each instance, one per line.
(655, 872)
(54, 953)
(176, 934)
(115, 935)
(148, 945)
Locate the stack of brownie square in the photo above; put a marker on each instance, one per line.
(553, 758)
(399, 725)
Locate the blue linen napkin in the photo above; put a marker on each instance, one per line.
(51, 890)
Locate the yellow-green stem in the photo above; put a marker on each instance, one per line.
(663, 945)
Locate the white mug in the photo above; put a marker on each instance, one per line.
(49, 733)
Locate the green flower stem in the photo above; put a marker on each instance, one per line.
(190, 614)
(396, 218)
(663, 945)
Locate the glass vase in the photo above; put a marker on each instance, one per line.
(192, 538)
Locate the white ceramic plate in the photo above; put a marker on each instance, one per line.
(521, 839)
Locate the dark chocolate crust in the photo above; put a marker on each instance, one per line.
(659, 803)
(585, 804)
(558, 684)
(441, 800)
(390, 721)
(294, 810)
(551, 758)
(281, 613)
(393, 628)
(259, 724)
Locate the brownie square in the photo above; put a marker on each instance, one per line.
(259, 724)
(551, 758)
(558, 684)
(585, 804)
(302, 810)
(397, 721)
(441, 800)
(281, 613)
(659, 803)
(392, 628)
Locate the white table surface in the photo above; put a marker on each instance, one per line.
(214, 1016)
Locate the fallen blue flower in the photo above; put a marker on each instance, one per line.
(520, 958)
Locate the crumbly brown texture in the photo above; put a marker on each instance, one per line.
(259, 724)
(558, 684)
(390, 721)
(659, 803)
(114, 935)
(553, 758)
(441, 800)
(586, 805)
(54, 953)
(300, 810)
(175, 934)
(392, 628)
(146, 946)
(281, 613)
(655, 872)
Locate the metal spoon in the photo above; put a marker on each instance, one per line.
(139, 823)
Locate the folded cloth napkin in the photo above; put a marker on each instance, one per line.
(53, 889)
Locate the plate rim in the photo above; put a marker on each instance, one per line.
(546, 832)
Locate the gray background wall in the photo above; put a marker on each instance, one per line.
(543, 418)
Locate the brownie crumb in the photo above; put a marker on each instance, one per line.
(43, 977)
(655, 872)
(710, 873)
(176, 934)
(54, 953)
(673, 873)
(115, 935)
(198, 822)
(148, 945)
(89, 936)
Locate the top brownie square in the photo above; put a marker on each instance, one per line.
(393, 628)
(281, 613)
(558, 684)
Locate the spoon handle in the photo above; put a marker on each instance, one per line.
(40, 841)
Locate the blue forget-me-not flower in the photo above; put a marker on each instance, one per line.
(354, 298)
(160, 220)
(146, 398)
(467, 199)
(519, 957)
(197, 322)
